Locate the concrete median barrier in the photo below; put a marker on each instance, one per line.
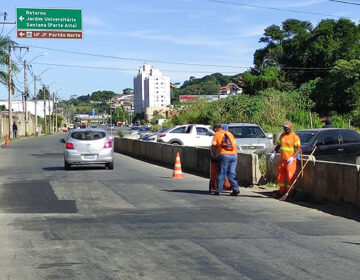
(192, 159)
(325, 181)
(247, 170)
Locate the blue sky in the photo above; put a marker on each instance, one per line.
(186, 31)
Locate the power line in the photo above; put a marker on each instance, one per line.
(272, 8)
(345, 2)
(139, 59)
(121, 69)
(173, 70)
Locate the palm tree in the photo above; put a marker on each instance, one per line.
(5, 42)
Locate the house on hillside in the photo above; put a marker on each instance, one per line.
(230, 89)
(123, 100)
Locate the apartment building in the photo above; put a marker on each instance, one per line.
(151, 89)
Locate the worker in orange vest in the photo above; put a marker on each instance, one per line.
(225, 145)
(289, 145)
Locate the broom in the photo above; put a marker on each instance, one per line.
(285, 196)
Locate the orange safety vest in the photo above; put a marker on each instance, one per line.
(288, 144)
(217, 141)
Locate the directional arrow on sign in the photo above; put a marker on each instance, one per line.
(21, 34)
(21, 18)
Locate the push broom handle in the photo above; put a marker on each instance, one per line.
(302, 169)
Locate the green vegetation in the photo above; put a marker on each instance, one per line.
(303, 73)
(119, 114)
(208, 85)
(5, 43)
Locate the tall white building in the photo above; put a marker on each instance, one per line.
(151, 89)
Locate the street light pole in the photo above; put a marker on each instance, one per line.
(35, 100)
(45, 129)
(50, 128)
(9, 91)
(26, 100)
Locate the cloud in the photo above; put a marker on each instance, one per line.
(191, 40)
(94, 21)
(253, 30)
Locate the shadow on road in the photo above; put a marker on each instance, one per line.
(48, 155)
(188, 191)
(54, 168)
(336, 209)
(74, 168)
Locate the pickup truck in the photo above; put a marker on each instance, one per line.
(193, 135)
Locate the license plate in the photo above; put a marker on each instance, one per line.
(89, 157)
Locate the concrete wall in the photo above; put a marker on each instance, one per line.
(326, 181)
(192, 159)
(19, 119)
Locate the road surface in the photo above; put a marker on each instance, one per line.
(135, 222)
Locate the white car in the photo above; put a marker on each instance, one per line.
(193, 135)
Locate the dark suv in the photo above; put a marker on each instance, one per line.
(334, 144)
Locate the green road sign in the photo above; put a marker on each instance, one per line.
(48, 19)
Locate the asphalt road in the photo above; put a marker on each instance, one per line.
(135, 222)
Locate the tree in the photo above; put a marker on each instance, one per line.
(120, 114)
(339, 91)
(102, 96)
(5, 43)
(269, 77)
(2, 108)
(40, 95)
(128, 91)
(296, 44)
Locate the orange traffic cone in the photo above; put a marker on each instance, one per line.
(177, 168)
(6, 140)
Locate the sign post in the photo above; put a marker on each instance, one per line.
(41, 23)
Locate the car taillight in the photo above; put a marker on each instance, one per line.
(69, 146)
(162, 135)
(108, 144)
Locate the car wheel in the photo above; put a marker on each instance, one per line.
(110, 165)
(67, 166)
(176, 144)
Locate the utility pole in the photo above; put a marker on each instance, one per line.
(10, 95)
(50, 128)
(26, 95)
(35, 101)
(55, 112)
(45, 129)
(10, 87)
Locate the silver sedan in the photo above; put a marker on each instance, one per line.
(88, 146)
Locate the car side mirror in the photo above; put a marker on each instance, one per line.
(320, 143)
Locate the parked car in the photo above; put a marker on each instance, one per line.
(333, 144)
(88, 146)
(153, 137)
(250, 137)
(110, 126)
(134, 130)
(195, 135)
(144, 131)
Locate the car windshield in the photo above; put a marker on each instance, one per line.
(305, 136)
(88, 135)
(145, 129)
(247, 132)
